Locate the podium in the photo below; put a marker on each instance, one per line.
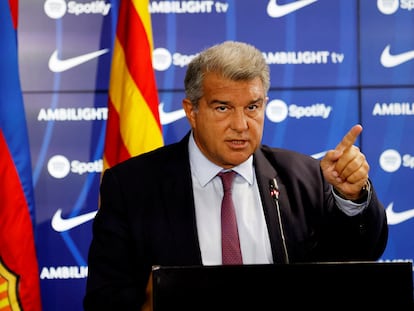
(318, 286)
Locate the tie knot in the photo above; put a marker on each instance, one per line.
(227, 179)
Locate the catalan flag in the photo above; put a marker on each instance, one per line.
(19, 276)
(133, 126)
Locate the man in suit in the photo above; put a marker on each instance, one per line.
(163, 207)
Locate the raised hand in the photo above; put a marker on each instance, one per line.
(346, 167)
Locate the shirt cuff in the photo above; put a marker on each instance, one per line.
(351, 208)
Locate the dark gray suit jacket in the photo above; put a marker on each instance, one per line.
(147, 217)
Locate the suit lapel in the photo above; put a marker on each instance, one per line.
(180, 205)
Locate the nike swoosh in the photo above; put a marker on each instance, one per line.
(395, 218)
(60, 65)
(388, 60)
(279, 10)
(171, 116)
(60, 224)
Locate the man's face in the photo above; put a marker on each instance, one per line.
(228, 125)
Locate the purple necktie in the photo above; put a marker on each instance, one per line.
(230, 244)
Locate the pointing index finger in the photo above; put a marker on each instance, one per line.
(350, 138)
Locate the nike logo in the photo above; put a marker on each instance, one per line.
(395, 218)
(60, 65)
(169, 117)
(60, 224)
(388, 60)
(279, 10)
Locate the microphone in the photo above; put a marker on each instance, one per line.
(274, 189)
(274, 193)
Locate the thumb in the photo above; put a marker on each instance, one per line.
(332, 156)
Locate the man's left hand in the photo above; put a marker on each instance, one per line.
(346, 167)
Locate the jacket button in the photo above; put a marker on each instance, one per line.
(362, 229)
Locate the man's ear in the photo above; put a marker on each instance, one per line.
(189, 111)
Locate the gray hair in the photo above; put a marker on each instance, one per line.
(236, 61)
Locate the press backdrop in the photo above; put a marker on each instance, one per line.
(333, 64)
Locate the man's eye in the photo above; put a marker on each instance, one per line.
(221, 108)
(252, 107)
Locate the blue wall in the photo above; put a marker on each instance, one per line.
(333, 64)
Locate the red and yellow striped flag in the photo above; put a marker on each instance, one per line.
(133, 125)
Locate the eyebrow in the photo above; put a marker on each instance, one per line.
(224, 102)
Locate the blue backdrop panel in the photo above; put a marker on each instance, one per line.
(387, 42)
(83, 56)
(315, 45)
(67, 136)
(172, 116)
(310, 121)
(388, 116)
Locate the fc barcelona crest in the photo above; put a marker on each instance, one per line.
(9, 299)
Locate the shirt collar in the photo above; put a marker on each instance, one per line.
(204, 170)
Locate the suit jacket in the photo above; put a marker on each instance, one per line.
(147, 217)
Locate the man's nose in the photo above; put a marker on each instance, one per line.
(239, 120)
